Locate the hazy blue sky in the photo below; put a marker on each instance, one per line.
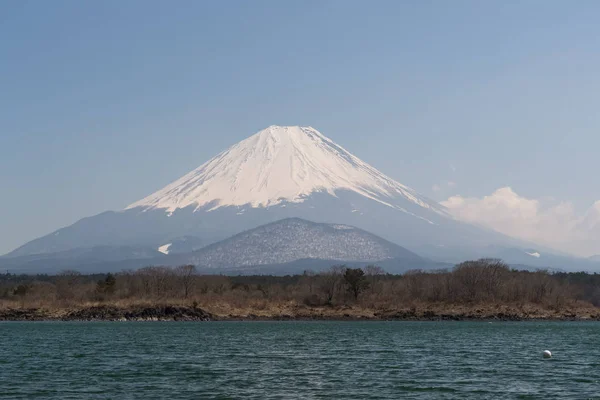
(102, 103)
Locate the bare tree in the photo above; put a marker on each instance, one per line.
(495, 272)
(330, 282)
(156, 280)
(374, 270)
(540, 286)
(374, 275)
(66, 282)
(414, 283)
(186, 274)
(469, 277)
(308, 276)
(145, 275)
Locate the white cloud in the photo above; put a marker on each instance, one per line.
(555, 225)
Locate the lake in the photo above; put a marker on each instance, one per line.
(299, 360)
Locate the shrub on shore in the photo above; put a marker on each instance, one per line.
(470, 283)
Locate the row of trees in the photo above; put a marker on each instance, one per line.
(480, 281)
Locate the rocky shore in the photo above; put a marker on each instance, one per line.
(108, 313)
(191, 313)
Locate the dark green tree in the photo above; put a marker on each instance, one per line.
(356, 281)
(110, 283)
(107, 285)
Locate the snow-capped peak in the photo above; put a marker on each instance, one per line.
(280, 164)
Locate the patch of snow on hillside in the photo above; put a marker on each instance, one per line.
(342, 227)
(165, 248)
(534, 254)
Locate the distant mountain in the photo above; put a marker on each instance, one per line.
(184, 244)
(523, 258)
(84, 259)
(280, 172)
(287, 246)
(294, 239)
(545, 259)
(283, 247)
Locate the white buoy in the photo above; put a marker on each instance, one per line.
(547, 354)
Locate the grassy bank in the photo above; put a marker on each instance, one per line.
(176, 311)
(483, 289)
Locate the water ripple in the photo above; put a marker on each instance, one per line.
(299, 360)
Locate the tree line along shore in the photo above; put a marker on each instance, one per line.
(485, 289)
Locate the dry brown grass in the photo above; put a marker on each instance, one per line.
(475, 290)
(263, 309)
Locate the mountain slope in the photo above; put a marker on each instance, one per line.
(287, 246)
(280, 164)
(296, 239)
(278, 173)
(83, 259)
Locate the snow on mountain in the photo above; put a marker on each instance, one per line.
(165, 248)
(533, 254)
(277, 164)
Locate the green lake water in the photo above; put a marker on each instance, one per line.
(299, 360)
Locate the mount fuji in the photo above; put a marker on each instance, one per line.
(277, 165)
(280, 172)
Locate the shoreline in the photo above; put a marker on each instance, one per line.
(144, 313)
